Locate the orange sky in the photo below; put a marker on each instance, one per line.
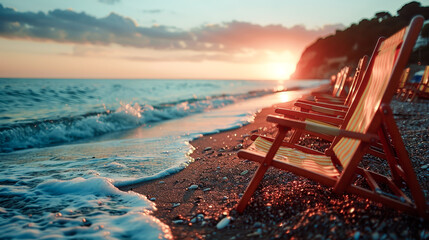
(117, 39)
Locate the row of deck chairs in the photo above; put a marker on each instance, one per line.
(358, 123)
(411, 91)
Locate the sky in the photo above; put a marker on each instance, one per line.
(169, 39)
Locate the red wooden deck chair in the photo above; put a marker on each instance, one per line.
(369, 119)
(324, 113)
(419, 91)
(340, 104)
(402, 83)
(340, 88)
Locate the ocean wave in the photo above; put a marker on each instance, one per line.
(50, 132)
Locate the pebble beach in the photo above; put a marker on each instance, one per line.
(199, 201)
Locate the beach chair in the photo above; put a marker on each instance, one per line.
(339, 91)
(421, 90)
(402, 83)
(339, 104)
(325, 113)
(368, 120)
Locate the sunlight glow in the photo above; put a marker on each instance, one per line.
(288, 96)
(280, 70)
(284, 97)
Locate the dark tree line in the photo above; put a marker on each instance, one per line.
(357, 40)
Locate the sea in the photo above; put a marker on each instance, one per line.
(66, 145)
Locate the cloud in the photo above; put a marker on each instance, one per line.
(152, 11)
(109, 1)
(216, 41)
(243, 35)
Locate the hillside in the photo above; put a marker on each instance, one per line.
(327, 55)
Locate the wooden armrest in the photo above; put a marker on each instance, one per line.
(320, 109)
(304, 115)
(323, 129)
(326, 105)
(290, 145)
(321, 94)
(330, 100)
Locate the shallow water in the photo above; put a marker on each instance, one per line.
(68, 144)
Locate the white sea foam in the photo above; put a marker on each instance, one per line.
(79, 208)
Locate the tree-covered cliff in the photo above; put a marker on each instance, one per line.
(327, 55)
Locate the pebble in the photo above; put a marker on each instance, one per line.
(176, 204)
(223, 223)
(206, 189)
(425, 166)
(180, 221)
(257, 224)
(356, 236)
(225, 179)
(153, 199)
(197, 218)
(161, 182)
(207, 149)
(244, 172)
(424, 234)
(193, 187)
(256, 233)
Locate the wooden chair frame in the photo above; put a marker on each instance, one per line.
(374, 123)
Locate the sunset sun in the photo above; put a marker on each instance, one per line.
(280, 70)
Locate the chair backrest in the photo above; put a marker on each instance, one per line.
(382, 76)
(357, 80)
(340, 83)
(404, 78)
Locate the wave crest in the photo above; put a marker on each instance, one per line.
(127, 116)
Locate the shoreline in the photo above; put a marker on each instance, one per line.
(195, 199)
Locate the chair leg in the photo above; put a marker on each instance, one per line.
(252, 187)
(278, 140)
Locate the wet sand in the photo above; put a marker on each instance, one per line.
(193, 201)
